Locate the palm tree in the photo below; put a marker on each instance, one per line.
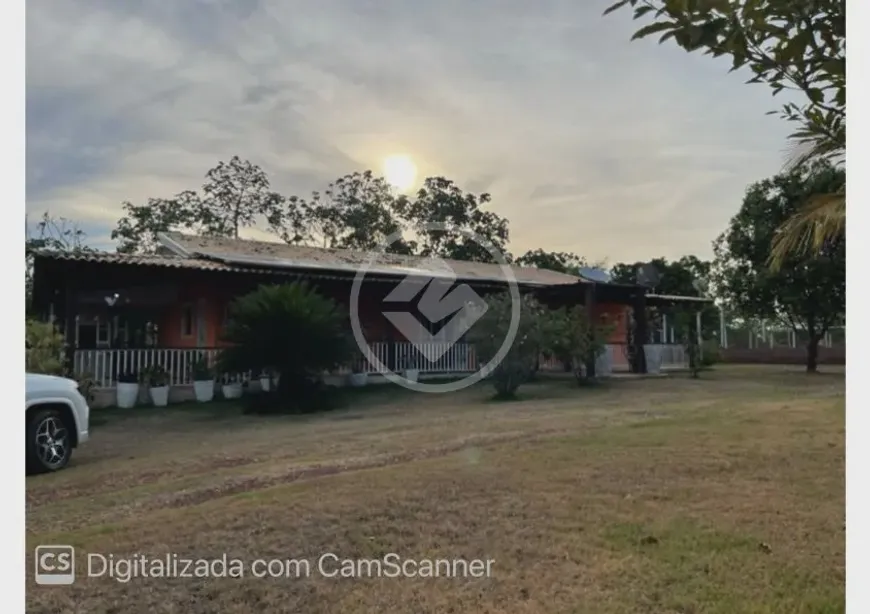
(823, 216)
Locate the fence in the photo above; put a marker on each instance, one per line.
(754, 336)
(105, 366)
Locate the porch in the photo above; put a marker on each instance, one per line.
(104, 366)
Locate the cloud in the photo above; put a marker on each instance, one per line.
(586, 142)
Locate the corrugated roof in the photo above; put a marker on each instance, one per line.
(174, 262)
(134, 259)
(283, 256)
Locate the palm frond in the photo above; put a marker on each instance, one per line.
(823, 217)
(803, 151)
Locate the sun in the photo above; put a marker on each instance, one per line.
(400, 172)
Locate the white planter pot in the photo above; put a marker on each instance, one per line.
(653, 354)
(358, 380)
(412, 375)
(232, 391)
(127, 395)
(203, 390)
(159, 396)
(265, 384)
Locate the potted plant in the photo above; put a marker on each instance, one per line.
(158, 386)
(203, 380)
(358, 378)
(229, 388)
(410, 370)
(127, 391)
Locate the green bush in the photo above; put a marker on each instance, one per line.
(44, 346)
(489, 332)
(291, 331)
(576, 340)
(200, 370)
(87, 384)
(710, 353)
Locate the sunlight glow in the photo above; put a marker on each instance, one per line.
(400, 172)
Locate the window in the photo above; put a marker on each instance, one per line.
(187, 321)
(104, 333)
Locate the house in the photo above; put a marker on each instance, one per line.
(124, 312)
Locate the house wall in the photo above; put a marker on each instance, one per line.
(616, 316)
(209, 303)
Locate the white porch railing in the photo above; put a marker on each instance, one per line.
(105, 366)
(665, 357)
(674, 357)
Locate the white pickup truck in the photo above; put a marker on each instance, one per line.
(56, 422)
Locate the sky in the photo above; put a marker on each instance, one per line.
(587, 142)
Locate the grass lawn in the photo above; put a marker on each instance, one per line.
(724, 494)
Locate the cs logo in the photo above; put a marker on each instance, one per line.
(55, 565)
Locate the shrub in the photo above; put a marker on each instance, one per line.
(44, 346)
(291, 331)
(156, 376)
(576, 340)
(521, 360)
(688, 330)
(128, 377)
(710, 353)
(200, 370)
(87, 384)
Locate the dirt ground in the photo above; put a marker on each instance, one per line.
(724, 494)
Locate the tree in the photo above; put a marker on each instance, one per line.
(441, 202)
(356, 211)
(797, 45)
(44, 347)
(809, 291)
(681, 277)
(51, 233)
(687, 325)
(562, 262)
(490, 331)
(137, 231)
(235, 195)
(576, 340)
(289, 330)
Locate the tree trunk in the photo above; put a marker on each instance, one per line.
(813, 354)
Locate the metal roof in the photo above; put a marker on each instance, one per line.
(173, 262)
(133, 259)
(278, 256)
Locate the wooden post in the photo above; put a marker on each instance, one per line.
(70, 326)
(591, 319)
(641, 332)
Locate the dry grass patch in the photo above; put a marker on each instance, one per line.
(660, 495)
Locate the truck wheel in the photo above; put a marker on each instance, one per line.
(49, 442)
